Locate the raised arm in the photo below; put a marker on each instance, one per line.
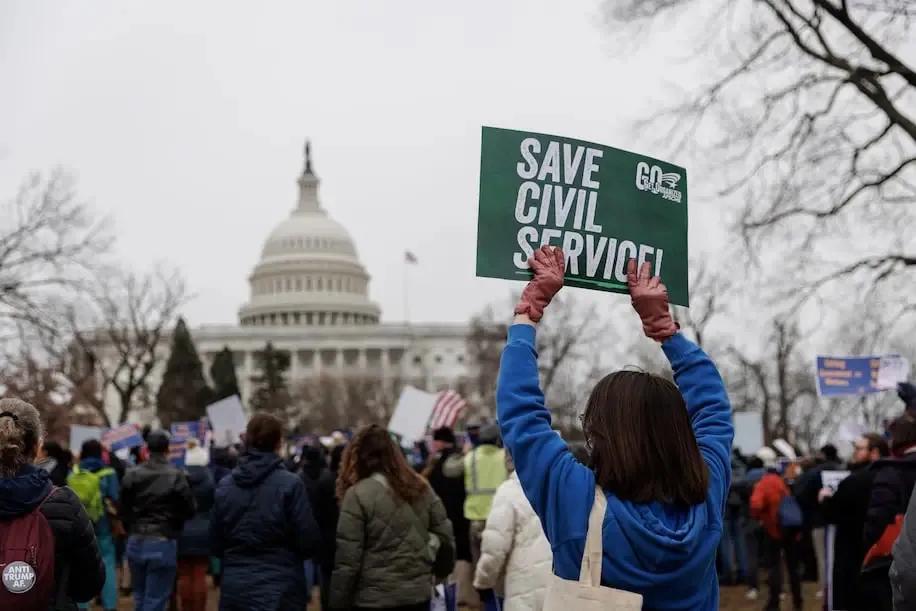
(694, 373)
(708, 406)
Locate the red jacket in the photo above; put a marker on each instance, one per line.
(765, 499)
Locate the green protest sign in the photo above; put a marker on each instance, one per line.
(602, 205)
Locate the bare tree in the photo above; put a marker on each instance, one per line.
(809, 118)
(123, 326)
(779, 383)
(48, 242)
(329, 402)
(569, 342)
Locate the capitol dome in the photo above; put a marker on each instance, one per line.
(309, 272)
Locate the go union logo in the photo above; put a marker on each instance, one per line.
(653, 179)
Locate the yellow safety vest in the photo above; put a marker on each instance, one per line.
(484, 471)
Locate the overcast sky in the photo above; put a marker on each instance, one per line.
(185, 121)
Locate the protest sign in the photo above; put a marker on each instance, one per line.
(832, 479)
(228, 421)
(80, 433)
(412, 413)
(892, 370)
(748, 432)
(602, 205)
(178, 447)
(839, 376)
(192, 428)
(124, 436)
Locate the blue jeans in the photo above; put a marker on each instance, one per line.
(109, 594)
(153, 564)
(733, 548)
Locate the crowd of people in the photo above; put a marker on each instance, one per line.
(653, 511)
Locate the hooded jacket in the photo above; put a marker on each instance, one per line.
(514, 552)
(75, 547)
(663, 552)
(768, 494)
(263, 529)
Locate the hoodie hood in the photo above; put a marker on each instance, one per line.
(92, 464)
(254, 467)
(24, 492)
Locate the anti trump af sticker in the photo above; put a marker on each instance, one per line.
(18, 577)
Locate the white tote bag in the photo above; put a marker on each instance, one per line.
(588, 594)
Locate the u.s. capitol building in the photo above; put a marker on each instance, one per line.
(310, 297)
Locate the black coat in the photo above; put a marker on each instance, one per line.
(195, 536)
(847, 509)
(156, 499)
(890, 494)
(263, 529)
(75, 547)
(320, 485)
(451, 491)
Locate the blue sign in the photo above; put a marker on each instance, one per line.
(124, 436)
(178, 448)
(192, 428)
(842, 376)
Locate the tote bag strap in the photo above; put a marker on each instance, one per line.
(590, 573)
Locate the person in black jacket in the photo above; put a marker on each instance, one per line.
(156, 501)
(56, 461)
(194, 543)
(262, 527)
(890, 493)
(450, 489)
(320, 485)
(78, 570)
(847, 508)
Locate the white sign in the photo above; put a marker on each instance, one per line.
(748, 432)
(893, 370)
(832, 479)
(80, 433)
(412, 413)
(228, 421)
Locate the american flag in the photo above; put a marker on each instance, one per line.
(448, 407)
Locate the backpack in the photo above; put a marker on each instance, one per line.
(27, 561)
(790, 513)
(88, 487)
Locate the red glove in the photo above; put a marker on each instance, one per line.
(549, 265)
(650, 300)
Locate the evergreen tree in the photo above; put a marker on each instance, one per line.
(183, 394)
(222, 373)
(270, 392)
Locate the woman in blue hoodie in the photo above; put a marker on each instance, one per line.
(660, 453)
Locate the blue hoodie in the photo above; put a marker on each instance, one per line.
(665, 553)
(21, 494)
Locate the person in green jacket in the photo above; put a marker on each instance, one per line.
(393, 536)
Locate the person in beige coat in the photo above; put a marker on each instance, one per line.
(515, 557)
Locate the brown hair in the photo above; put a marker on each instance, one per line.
(640, 440)
(903, 434)
(877, 442)
(373, 451)
(20, 434)
(264, 433)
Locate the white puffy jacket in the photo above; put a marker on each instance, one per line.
(514, 550)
